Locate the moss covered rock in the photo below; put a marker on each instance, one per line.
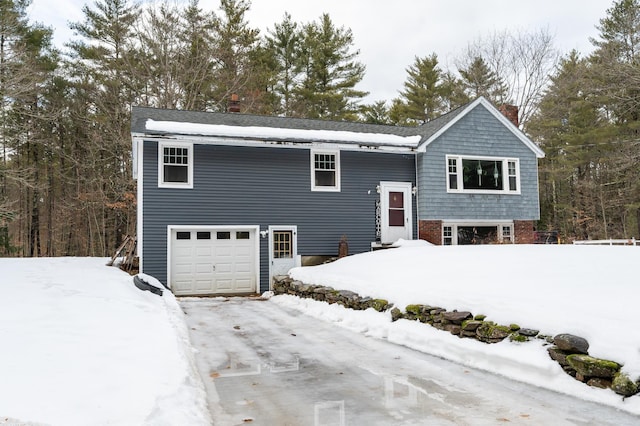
(471, 325)
(379, 304)
(396, 314)
(593, 367)
(491, 333)
(517, 337)
(623, 385)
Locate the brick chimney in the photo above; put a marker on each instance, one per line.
(511, 112)
(234, 103)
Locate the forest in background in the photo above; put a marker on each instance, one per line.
(65, 145)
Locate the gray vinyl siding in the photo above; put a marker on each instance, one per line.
(477, 133)
(268, 186)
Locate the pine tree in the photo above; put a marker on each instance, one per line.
(156, 60)
(422, 98)
(104, 87)
(479, 80)
(283, 43)
(233, 68)
(568, 127)
(196, 56)
(615, 74)
(330, 72)
(376, 113)
(27, 62)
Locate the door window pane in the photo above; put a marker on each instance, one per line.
(242, 235)
(204, 235)
(183, 235)
(396, 217)
(223, 235)
(396, 208)
(282, 244)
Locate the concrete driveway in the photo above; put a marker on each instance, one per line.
(263, 364)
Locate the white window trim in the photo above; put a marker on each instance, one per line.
(505, 175)
(161, 182)
(312, 158)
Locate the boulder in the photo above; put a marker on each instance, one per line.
(558, 355)
(571, 343)
(453, 329)
(380, 305)
(471, 325)
(528, 332)
(457, 317)
(588, 366)
(396, 314)
(492, 333)
(623, 385)
(599, 382)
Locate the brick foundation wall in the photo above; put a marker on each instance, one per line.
(430, 230)
(523, 231)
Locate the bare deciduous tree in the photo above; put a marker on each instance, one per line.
(522, 60)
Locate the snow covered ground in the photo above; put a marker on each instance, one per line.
(589, 291)
(81, 345)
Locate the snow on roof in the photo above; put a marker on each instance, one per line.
(281, 133)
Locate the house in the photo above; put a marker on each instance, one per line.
(226, 201)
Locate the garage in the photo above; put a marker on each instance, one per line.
(213, 260)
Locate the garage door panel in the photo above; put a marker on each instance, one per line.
(213, 261)
(203, 251)
(204, 286)
(224, 268)
(181, 285)
(203, 268)
(243, 267)
(224, 285)
(244, 284)
(183, 268)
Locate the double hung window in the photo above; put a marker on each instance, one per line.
(325, 170)
(175, 165)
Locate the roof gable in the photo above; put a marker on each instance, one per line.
(435, 128)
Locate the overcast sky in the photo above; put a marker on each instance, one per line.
(390, 33)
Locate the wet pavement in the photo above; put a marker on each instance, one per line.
(263, 364)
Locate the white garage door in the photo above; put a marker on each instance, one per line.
(213, 261)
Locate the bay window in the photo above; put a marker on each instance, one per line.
(482, 174)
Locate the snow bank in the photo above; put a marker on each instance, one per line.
(584, 290)
(82, 345)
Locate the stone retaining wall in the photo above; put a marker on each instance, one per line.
(571, 352)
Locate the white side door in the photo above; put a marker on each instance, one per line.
(396, 214)
(283, 249)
